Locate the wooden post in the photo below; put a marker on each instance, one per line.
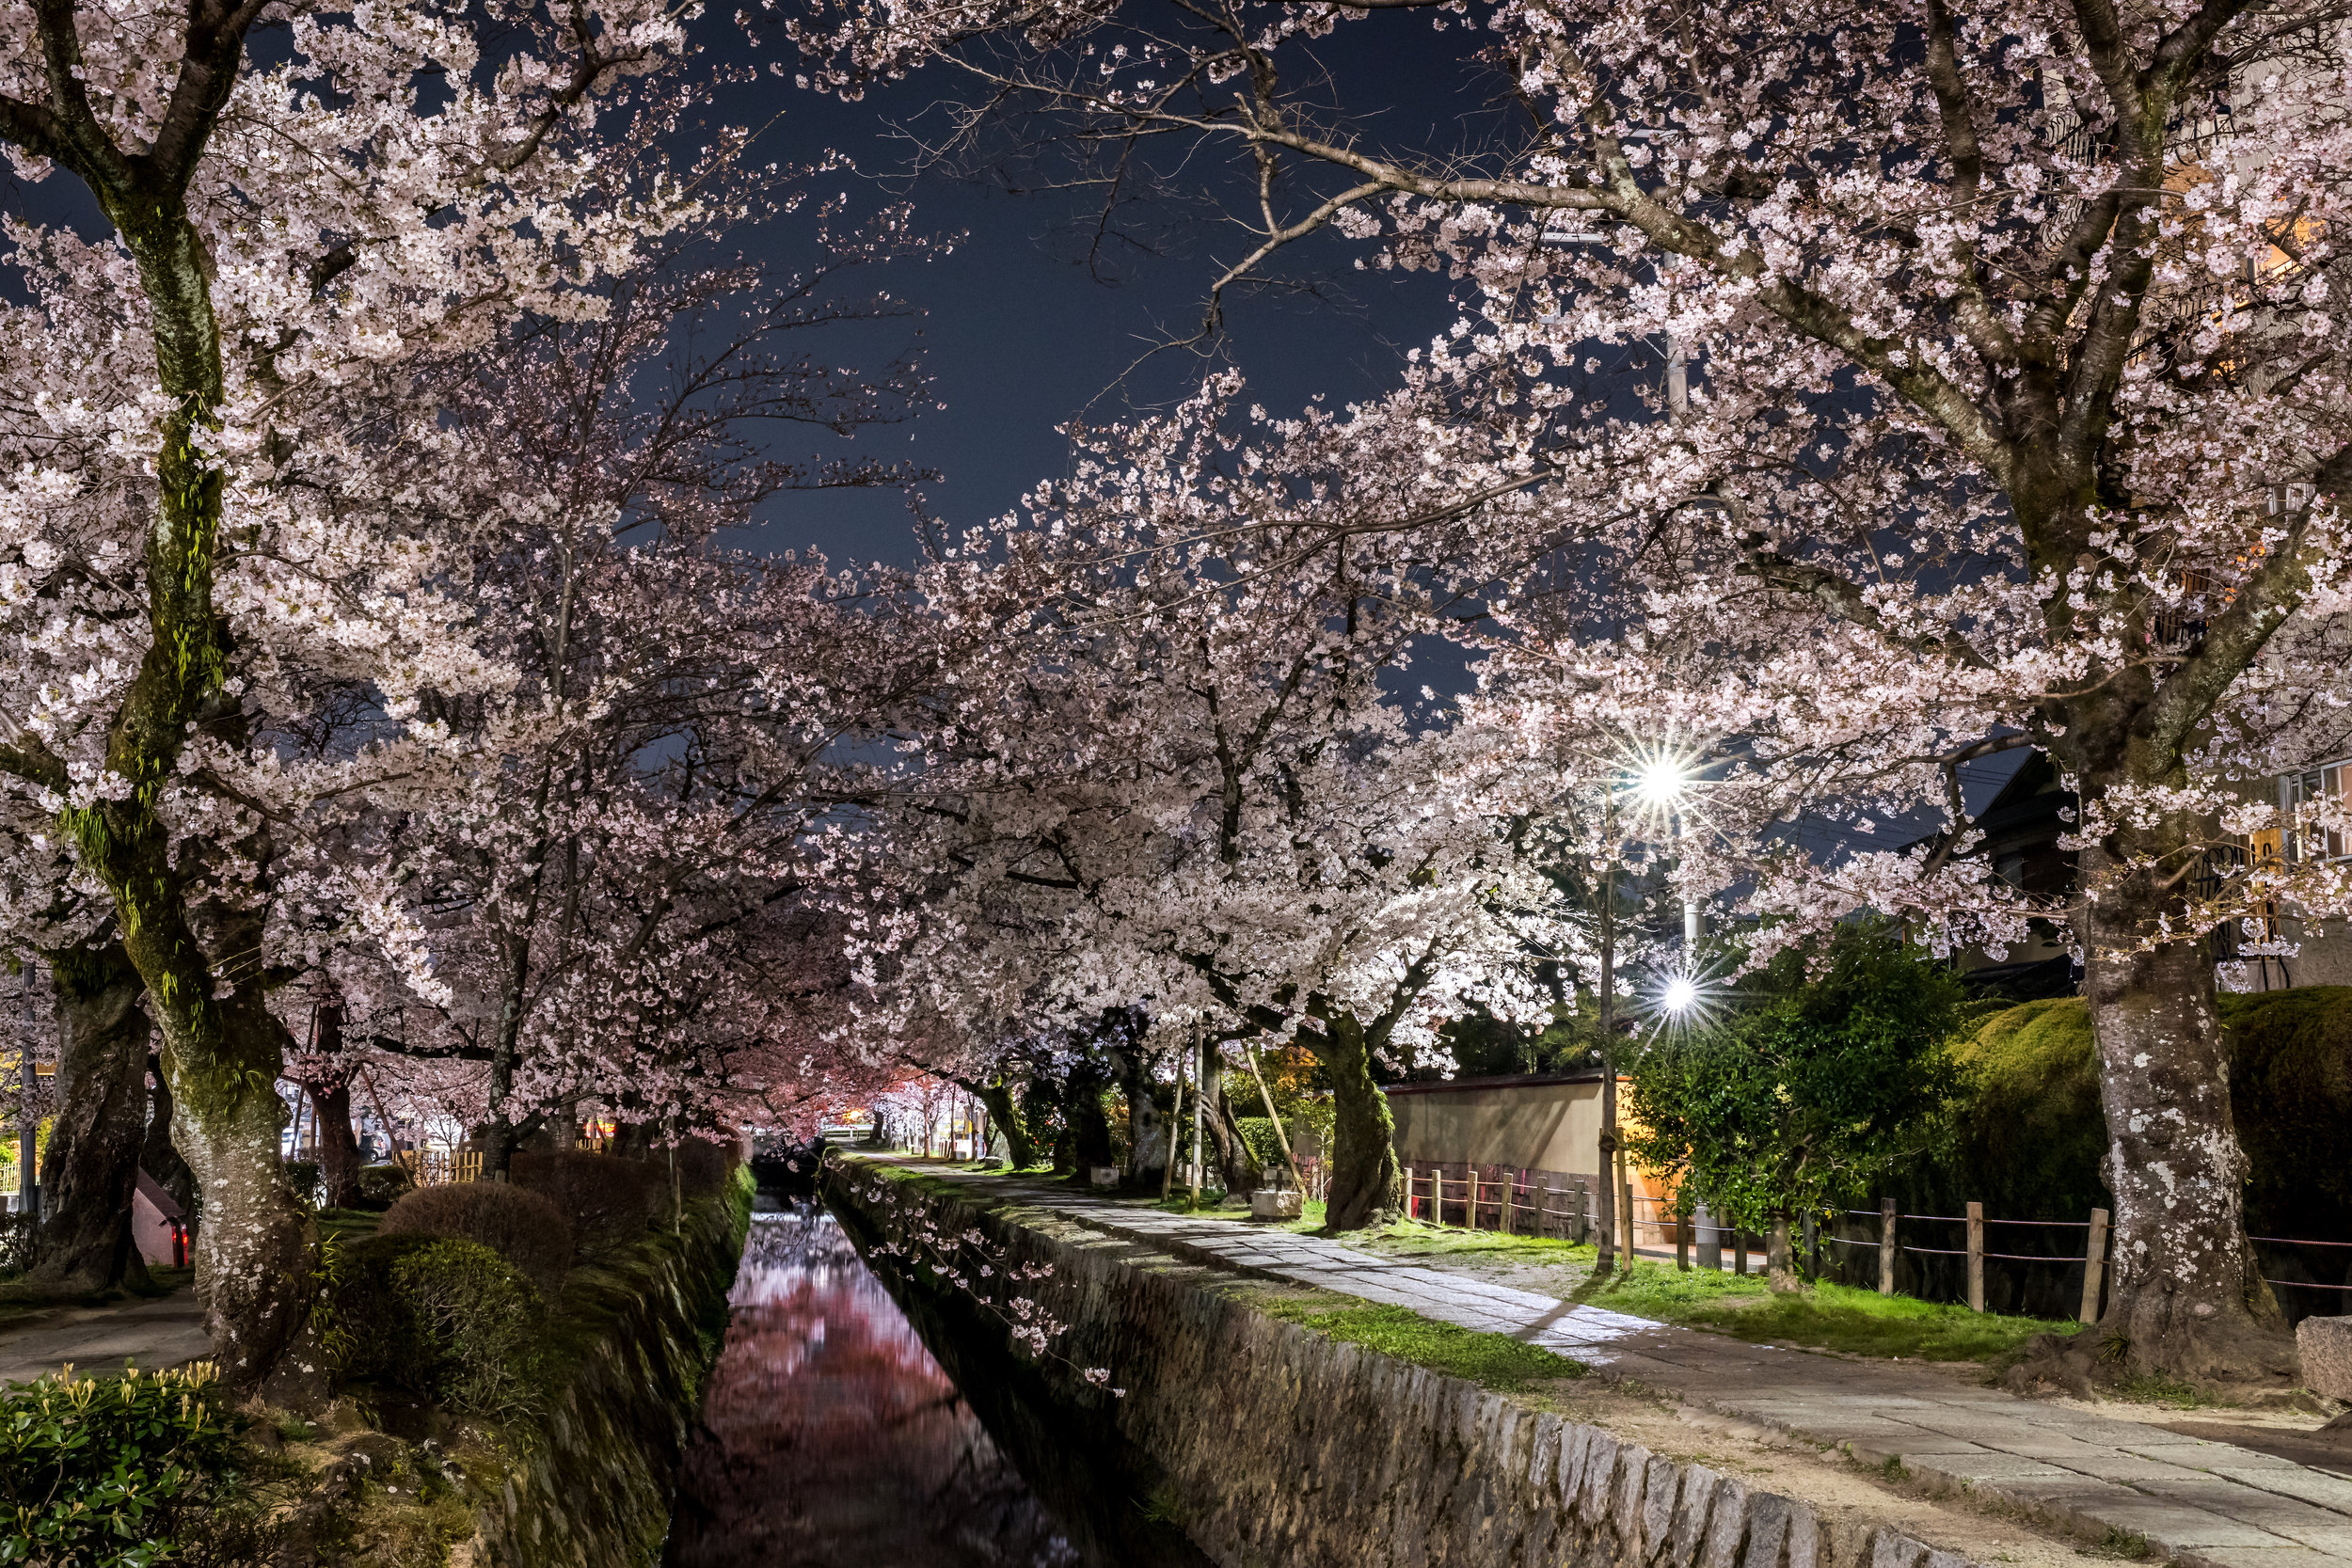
(1625, 1208)
(1975, 1258)
(1682, 1242)
(2094, 1265)
(1471, 1217)
(1812, 1247)
(1739, 1250)
(1887, 1247)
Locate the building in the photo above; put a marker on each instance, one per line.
(1537, 1129)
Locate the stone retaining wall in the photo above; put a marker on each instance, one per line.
(1274, 1446)
(640, 1335)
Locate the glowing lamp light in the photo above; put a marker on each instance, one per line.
(1660, 781)
(1681, 996)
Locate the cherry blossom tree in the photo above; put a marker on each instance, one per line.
(2001, 401)
(239, 504)
(1174, 775)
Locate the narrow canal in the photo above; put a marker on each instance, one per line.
(832, 1437)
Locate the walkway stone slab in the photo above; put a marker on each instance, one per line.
(167, 1331)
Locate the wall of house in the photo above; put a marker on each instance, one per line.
(1539, 1126)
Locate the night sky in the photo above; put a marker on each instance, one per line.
(1020, 332)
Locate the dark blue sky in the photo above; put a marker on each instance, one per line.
(1020, 334)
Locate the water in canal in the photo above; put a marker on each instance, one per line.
(833, 1438)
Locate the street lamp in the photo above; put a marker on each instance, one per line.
(1681, 996)
(1659, 779)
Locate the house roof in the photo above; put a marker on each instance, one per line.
(153, 1191)
(1516, 1081)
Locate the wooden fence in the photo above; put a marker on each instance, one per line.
(1516, 1200)
(438, 1167)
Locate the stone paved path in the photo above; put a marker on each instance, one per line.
(166, 1331)
(2194, 1501)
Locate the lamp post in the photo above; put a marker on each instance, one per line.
(1661, 778)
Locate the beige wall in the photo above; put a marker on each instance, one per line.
(1535, 1126)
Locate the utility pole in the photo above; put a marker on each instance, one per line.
(1605, 1201)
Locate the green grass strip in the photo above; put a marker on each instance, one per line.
(1833, 1317)
(1494, 1361)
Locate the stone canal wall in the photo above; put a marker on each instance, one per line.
(1274, 1446)
(592, 1484)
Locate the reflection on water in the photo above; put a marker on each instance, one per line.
(833, 1438)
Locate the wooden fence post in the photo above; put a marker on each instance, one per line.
(1975, 1258)
(1682, 1243)
(1887, 1247)
(1410, 1212)
(2094, 1265)
(1470, 1218)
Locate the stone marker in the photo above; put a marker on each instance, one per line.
(1268, 1204)
(1102, 1176)
(2325, 1347)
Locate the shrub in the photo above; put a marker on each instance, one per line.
(703, 1167)
(1257, 1134)
(111, 1473)
(609, 1199)
(448, 1319)
(524, 1228)
(381, 1186)
(308, 1178)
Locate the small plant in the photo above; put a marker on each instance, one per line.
(2156, 1388)
(113, 1472)
(2126, 1544)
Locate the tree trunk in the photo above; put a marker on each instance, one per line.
(256, 1245)
(1780, 1262)
(2187, 1297)
(91, 1165)
(996, 1094)
(1147, 1133)
(1605, 1193)
(1243, 1174)
(1089, 1126)
(1366, 1188)
(339, 1148)
(156, 1155)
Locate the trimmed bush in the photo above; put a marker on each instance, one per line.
(525, 1229)
(381, 1186)
(608, 1198)
(703, 1167)
(448, 1321)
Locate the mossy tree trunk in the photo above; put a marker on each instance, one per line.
(221, 1049)
(91, 1165)
(995, 1092)
(1366, 1188)
(2187, 1297)
(1146, 1116)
